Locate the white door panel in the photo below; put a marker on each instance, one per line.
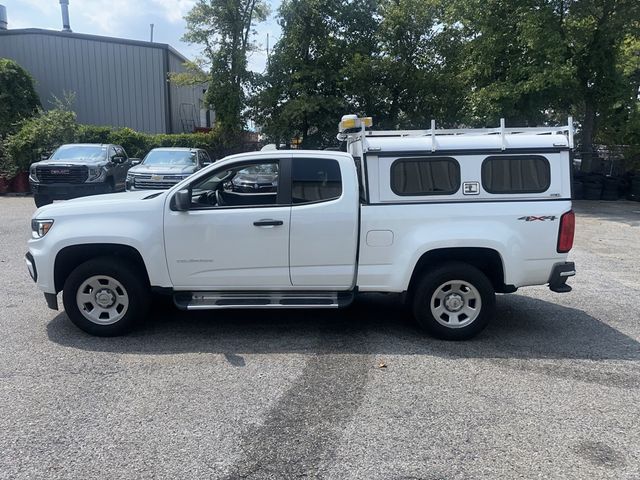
(222, 249)
(324, 234)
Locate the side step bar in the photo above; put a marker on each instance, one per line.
(218, 300)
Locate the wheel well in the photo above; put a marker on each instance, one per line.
(486, 260)
(70, 257)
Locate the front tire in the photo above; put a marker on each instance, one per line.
(455, 301)
(42, 200)
(105, 296)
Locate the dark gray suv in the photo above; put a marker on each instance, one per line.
(79, 169)
(162, 168)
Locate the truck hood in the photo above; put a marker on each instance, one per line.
(93, 204)
(163, 169)
(94, 162)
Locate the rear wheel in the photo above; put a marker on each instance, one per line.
(42, 200)
(105, 296)
(455, 301)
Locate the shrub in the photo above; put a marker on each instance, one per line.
(40, 136)
(18, 97)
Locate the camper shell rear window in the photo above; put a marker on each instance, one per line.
(506, 174)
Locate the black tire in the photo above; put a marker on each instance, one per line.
(42, 200)
(433, 280)
(131, 279)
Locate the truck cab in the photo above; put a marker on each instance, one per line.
(445, 219)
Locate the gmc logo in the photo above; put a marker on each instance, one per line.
(533, 218)
(60, 172)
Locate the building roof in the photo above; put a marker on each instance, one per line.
(95, 38)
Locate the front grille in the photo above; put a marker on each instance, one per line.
(144, 182)
(53, 174)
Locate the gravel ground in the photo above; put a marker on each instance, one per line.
(551, 389)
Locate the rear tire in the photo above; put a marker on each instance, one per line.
(42, 200)
(105, 296)
(455, 301)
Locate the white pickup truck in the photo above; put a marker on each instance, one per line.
(446, 218)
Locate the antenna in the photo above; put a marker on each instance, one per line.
(151, 32)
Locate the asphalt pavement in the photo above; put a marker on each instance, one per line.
(551, 389)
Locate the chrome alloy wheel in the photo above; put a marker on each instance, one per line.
(455, 304)
(102, 300)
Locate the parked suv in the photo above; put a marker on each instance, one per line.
(162, 168)
(79, 169)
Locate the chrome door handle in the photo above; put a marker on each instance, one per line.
(268, 223)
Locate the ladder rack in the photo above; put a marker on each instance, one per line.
(502, 130)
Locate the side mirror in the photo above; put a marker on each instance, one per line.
(206, 163)
(118, 159)
(135, 161)
(182, 200)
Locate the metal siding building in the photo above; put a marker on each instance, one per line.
(116, 82)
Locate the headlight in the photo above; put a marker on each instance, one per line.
(33, 176)
(39, 228)
(95, 174)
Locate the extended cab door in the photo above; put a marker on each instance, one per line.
(324, 221)
(235, 235)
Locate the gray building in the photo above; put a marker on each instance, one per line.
(116, 82)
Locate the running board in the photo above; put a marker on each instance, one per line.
(218, 300)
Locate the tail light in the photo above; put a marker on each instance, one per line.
(567, 230)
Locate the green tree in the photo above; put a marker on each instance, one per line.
(596, 32)
(301, 92)
(225, 28)
(18, 98)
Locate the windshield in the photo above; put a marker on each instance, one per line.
(170, 157)
(79, 153)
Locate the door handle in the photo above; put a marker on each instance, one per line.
(268, 223)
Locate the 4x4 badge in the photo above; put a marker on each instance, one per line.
(533, 218)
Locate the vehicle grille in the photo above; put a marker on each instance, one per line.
(53, 174)
(144, 182)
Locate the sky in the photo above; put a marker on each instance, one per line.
(128, 19)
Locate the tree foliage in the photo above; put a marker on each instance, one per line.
(461, 62)
(18, 98)
(225, 29)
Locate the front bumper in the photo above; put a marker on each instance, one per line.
(66, 191)
(51, 298)
(559, 276)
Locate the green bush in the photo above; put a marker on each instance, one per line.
(41, 135)
(38, 137)
(18, 97)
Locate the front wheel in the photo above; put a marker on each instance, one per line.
(455, 301)
(105, 296)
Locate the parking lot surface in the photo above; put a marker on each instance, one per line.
(551, 389)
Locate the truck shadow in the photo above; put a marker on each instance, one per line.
(524, 328)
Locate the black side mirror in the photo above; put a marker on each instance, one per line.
(135, 161)
(182, 200)
(118, 159)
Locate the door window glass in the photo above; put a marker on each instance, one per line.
(315, 180)
(248, 185)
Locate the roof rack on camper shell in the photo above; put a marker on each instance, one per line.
(353, 128)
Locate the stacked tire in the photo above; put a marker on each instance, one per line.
(610, 188)
(634, 189)
(578, 189)
(592, 187)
